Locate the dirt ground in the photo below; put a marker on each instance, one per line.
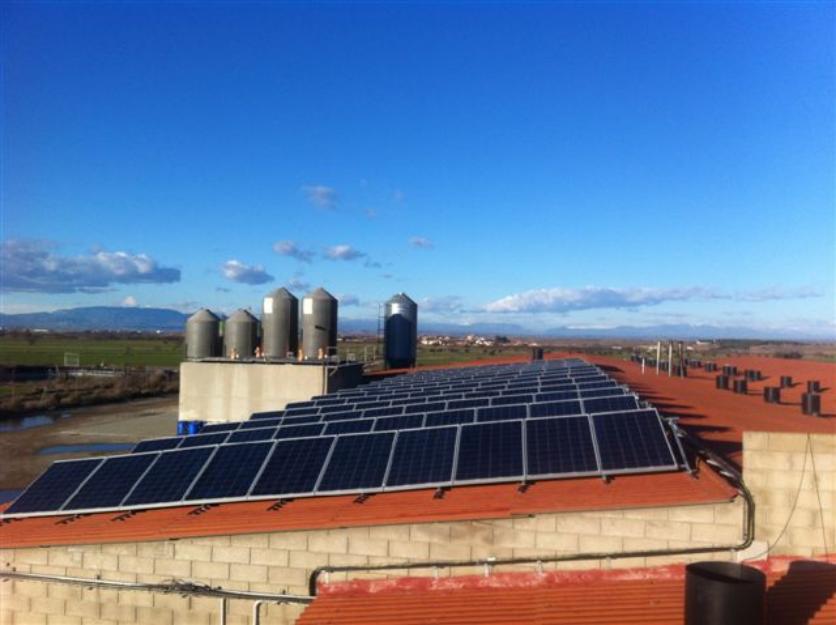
(110, 423)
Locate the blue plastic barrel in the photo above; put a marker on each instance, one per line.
(182, 428)
(195, 426)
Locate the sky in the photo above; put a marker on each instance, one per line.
(542, 164)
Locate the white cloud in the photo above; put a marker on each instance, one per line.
(240, 272)
(343, 252)
(560, 300)
(347, 299)
(321, 196)
(443, 304)
(290, 248)
(296, 283)
(421, 242)
(129, 302)
(32, 266)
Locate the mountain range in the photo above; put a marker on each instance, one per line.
(119, 318)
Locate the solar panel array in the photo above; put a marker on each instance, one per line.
(436, 428)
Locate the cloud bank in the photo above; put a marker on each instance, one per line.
(291, 249)
(343, 252)
(559, 300)
(32, 266)
(242, 273)
(421, 242)
(321, 196)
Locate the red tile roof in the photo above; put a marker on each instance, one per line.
(798, 592)
(494, 501)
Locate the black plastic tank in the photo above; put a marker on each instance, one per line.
(741, 386)
(724, 593)
(772, 394)
(721, 382)
(786, 381)
(400, 332)
(536, 353)
(813, 386)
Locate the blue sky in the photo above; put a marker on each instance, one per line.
(584, 165)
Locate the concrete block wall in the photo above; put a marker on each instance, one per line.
(282, 561)
(793, 480)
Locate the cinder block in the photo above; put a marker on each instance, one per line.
(558, 542)
(290, 541)
(269, 557)
(785, 441)
(471, 533)
(307, 560)
(237, 555)
(600, 544)
(176, 603)
(210, 570)
(347, 559)
(390, 532)
(136, 599)
(623, 527)
(670, 530)
(63, 557)
(49, 605)
(440, 551)
(154, 616)
(648, 514)
(407, 549)
(33, 590)
(28, 618)
(155, 549)
(134, 564)
(430, 533)
(181, 569)
(755, 441)
(260, 541)
(729, 513)
(364, 546)
(220, 541)
(47, 569)
(84, 609)
(692, 514)
(31, 556)
(577, 524)
(327, 543)
(65, 591)
(120, 549)
(510, 537)
(643, 544)
(118, 612)
(715, 534)
(15, 603)
(483, 552)
(287, 577)
(63, 619)
(248, 572)
(191, 551)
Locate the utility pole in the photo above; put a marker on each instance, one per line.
(658, 355)
(670, 358)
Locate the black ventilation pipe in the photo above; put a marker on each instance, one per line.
(724, 593)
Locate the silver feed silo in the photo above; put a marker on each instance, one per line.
(202, 335)
(240, 335)
(319, 324)
(279, 324)
(400, 332)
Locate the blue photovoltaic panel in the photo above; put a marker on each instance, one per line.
(562, 445)
(113, 480)
(555, 409)
(293, 467)
(501, 413)
(602, 392)
(399, 423)
(298, 412)
(556, 396)
(431, 407)
(270, 414)
(300, 420)
(490, 450)
(248, 436)
(506, 400)
(157, 444)
(336, 408)
(343, 416)
(170, 476)
(347, 427)
(300, 431)
(629, 440)
(263, 423)
(423, 457)
(383, 412)
(219, 427)
(468, 403)
(450, 417)
(203, 439)
(231, 472)
(54, 486)
(359, 461)
(610, 404)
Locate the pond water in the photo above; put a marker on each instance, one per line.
(85, 447)
(16, 424)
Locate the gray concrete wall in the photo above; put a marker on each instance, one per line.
(231, 391)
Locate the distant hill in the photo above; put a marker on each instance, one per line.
(166, 320)
(99, 318)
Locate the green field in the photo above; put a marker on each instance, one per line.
(92, 351)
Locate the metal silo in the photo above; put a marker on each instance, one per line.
(240, 335)
(400, 332)
(202, 338)
(279, 324)
(319, 324)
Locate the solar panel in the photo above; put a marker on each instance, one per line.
(450, 417)
(403, 422)
(423, 457)
(490, 450)
(300, 420)
(555, 408)
(219, 427)
(247, 436)
(203, 439)
(559, 446)
(293, 467)
(270, 414)
(170, 476)
(501, 413)
(299, 431)
(628, 440)
(111, 482)
(346, 427)
(610, 404)
(231, 472)
(54, 486)
(342, 416)
(263, 423)
(430, 407)
(157, 444)
(359, 461)
(555, 396)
